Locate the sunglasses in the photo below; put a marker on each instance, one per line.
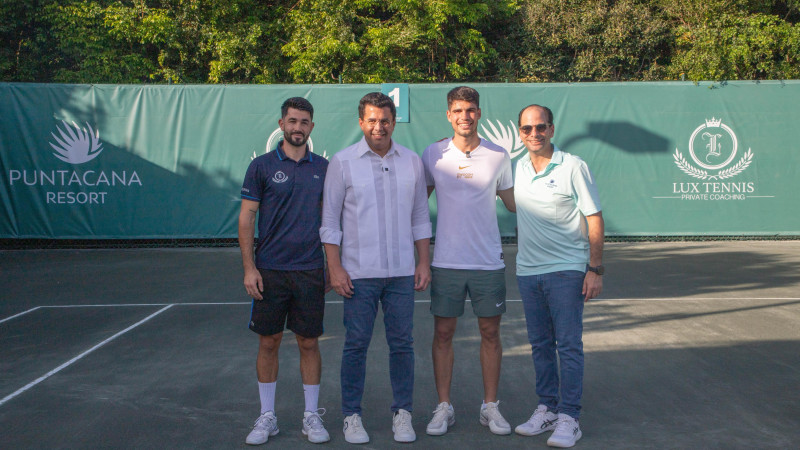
(540, 128)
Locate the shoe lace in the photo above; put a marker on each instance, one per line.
(440, 413)
(266, 420)
(538, 414)
(354, 423)
(492, 410)
(403, 423)
(314, 420)
(564, 426)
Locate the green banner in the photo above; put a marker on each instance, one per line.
(111, 161)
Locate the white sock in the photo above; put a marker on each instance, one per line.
(267, 393)
(311, 392)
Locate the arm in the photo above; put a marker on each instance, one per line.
(593, 283)
(247, 229)
(331, 231)
(507, 196)
(339, 279)
(422, 273)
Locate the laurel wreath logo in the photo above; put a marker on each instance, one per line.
(732, 171)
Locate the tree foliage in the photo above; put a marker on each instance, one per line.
(371, 41)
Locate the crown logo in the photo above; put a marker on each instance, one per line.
(713, 122)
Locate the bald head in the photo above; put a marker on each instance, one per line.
(546, 110)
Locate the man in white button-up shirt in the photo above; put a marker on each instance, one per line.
(375, 212)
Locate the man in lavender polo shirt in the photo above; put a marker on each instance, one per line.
(375, 212)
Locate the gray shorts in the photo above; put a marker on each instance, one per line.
(450, 287)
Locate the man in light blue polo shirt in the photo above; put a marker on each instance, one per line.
(559, 267)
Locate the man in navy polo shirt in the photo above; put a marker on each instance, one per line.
(284, 189)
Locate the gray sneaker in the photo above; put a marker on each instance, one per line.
(542, 420)
(491, 417)
(266, 426)
(354, 432)
(443, 416)
(313, 427)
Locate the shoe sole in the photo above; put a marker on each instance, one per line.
(441, 431)
(356, 442)
(265, 440)
(560, 445)
(316, 440)
(493, 428)
(535, 433)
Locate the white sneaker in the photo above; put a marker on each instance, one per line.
(402, 428)
(542, 420)
(354, 432)
(567, 432)
(491, 417)
(443, 416)
(313, 427)
(266, 426)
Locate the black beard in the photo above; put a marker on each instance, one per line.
(289, 138)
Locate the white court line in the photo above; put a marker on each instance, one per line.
(19, 314)
(68, 363)
(339, 302)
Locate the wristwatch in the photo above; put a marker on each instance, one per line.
(600, 270)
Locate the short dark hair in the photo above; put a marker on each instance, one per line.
(543, 108)
(377, 100)
(298, 103)
(464, 93)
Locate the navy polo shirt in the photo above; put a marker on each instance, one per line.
(290, 210)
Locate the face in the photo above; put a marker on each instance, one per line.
(377, 125)
(464, 116)
(535, 132)
(296, 127)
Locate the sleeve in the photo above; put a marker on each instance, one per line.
(585, 190)
(420, 215)
(506, 179)
(253, 184)
(332, 204)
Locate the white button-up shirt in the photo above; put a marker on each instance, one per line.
(375, 208)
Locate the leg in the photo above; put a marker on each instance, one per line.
(566, 308)
(359, 319)
(491, 356)
(398, 316)
(267, 359)
(305, 319)
(443, 355)
(541, 338)
(310, 360)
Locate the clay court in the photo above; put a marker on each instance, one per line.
(691, 345)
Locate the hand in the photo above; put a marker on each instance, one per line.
(340, 281)
(592, 285)
(422, 277)
(253, 283)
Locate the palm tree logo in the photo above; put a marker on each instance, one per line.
(504, 136)
(76, 145)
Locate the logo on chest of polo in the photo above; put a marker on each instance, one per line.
(460, 175)
(280, 177)
(551, 184)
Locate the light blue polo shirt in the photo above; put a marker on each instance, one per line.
(551, 210)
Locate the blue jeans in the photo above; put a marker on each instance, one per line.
(553, 306)
(397, 299)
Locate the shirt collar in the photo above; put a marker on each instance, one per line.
(363, 148)
(282, 155)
